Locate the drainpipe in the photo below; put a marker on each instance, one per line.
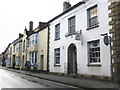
(48, 48)
(107, 41)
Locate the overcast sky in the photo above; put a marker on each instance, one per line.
(16, 14)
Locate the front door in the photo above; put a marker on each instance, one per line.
(13, 64)
(72, 59)
(41, 62)
(23, 62)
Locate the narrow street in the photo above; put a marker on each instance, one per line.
(13, 80)
(9, 79)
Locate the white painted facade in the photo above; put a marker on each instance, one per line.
(80, 13)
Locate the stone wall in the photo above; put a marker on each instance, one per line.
(115, 31)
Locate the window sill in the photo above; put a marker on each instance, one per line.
(57, 65)
(94, 65)
(57, 39)
(70, 34)
(92, 27)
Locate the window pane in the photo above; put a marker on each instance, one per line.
(92, 16)
(57, 56)
(35, 56)
(36, 39)
(94, 51)
(57, 31)
(71, 25)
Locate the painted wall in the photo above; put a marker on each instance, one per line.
(80, 14)
(42, 48)
(24, 52)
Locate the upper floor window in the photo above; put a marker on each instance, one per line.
(71, 25)
(18, 47)
(10, 50)
(57, 56)
(32, 40)
(94, 52)
(36, 38)
(23, 45)
(92, 16)
(14, 48)
(57, 31)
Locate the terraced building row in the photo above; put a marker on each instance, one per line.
(82, 40)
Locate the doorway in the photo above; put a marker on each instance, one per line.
(42, 62)
(72, 59)
(13, 64)
(23, 61)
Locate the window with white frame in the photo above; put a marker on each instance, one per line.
(18, 47)
(92, 16)
(94, 52)
(33, 57)
(13, 48)
(32, 40)
(57, 56)
(17, 61)
(36, 57)
(57, 31)
(36, 38)
(23, 45)
(71, 25)
(10, 50)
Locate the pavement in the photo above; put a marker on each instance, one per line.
(85, 83)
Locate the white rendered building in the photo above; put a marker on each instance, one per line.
(76, 45)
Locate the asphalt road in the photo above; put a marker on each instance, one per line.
(13, 80)
(9, 79)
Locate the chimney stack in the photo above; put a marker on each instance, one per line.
(30, 26)
(42, 24)
(20, 35)
(66, 5)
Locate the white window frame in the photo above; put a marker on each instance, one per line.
(94, 51)
(36, 39)
(17, 61)
(71, 25)
(56, 57)
(92, 17)
(57, 31)
(18, 47)
(33, 40)
(32, 57)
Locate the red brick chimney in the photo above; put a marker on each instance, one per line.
(30, 26)
(66, 5)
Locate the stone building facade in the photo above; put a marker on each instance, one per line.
(115, 31)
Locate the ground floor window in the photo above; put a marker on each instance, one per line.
(8, 61)
(33, 57)
(17, 61)
(94, 52)
(57, 56)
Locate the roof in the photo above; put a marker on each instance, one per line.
(7, 47)
(42, 27)
(68, 10)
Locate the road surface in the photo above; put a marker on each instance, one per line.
(9, 79)
(12, 80)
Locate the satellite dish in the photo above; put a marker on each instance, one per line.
(106, 40)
